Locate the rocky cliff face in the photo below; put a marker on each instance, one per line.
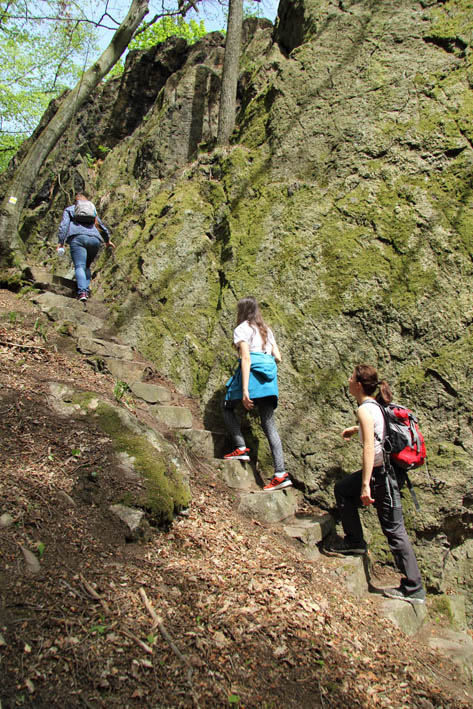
(344, 204)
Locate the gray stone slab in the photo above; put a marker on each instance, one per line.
(310, 530)
(104, 348)
(59, 308)
(202, 443)
(458, 646)
(354, 572)
(408, 617)
(173, 416)
(152, 393)
(237, 474)
(46, 280)
(124, 370)
(270, 506)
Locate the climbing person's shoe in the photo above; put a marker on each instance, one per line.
(83, 296)
(238, 454)
(342, 547)
(400, 594)
(278, 483)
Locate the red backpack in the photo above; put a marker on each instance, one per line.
(407, 442)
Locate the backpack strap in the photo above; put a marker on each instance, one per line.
(386, 440)
(412, 492)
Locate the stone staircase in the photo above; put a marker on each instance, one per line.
(277, 509)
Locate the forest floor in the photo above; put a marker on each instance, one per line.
(245, 619)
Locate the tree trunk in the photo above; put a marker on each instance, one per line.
(20, 185)
(231, 63)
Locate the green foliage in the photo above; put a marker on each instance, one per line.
(191, 31)
(40, 329)
(39, 58)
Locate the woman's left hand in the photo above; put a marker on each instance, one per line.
(247, 402)
(365, 496)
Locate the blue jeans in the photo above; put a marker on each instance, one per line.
(84, 249)
(265, 408)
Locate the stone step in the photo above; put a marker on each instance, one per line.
(237, 474)
(104, 348)
(406, 616)
(125, 370)
(60, 308)
(173, 416)
(309, 529)
(270, 507)
(48, 281)
(354, 572)
(151, 393)
(205, 444)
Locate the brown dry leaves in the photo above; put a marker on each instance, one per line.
(257, 624)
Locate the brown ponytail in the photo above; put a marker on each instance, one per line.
(384, 395)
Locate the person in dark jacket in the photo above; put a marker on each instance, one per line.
(84, 240)
(255, 383)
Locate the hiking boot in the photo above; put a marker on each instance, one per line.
(400, 594)
(342, 547)
(238, 454)
(278, 483)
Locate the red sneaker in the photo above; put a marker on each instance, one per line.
(278, 483)
(238, 454)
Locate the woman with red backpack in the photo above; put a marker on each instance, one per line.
(375, 483)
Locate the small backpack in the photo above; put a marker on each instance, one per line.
(84, 212)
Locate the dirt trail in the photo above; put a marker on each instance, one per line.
(245, 620)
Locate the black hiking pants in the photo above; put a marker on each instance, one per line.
(387, 500)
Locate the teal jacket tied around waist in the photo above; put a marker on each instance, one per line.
(263, 379)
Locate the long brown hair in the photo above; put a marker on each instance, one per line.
(368, 378)
(248, 309)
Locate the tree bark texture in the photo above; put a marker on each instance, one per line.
(226, 116)
(24, 176)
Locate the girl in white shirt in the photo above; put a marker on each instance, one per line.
(253, 336)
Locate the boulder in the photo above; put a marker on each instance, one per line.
(135, 523)
(269, 507)
(237, 474)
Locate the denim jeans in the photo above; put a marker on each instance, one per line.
(84, 249)
(265, 408)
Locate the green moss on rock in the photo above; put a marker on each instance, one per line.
(166, 493)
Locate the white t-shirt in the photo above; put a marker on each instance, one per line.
(378, 423)
(252, 336)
